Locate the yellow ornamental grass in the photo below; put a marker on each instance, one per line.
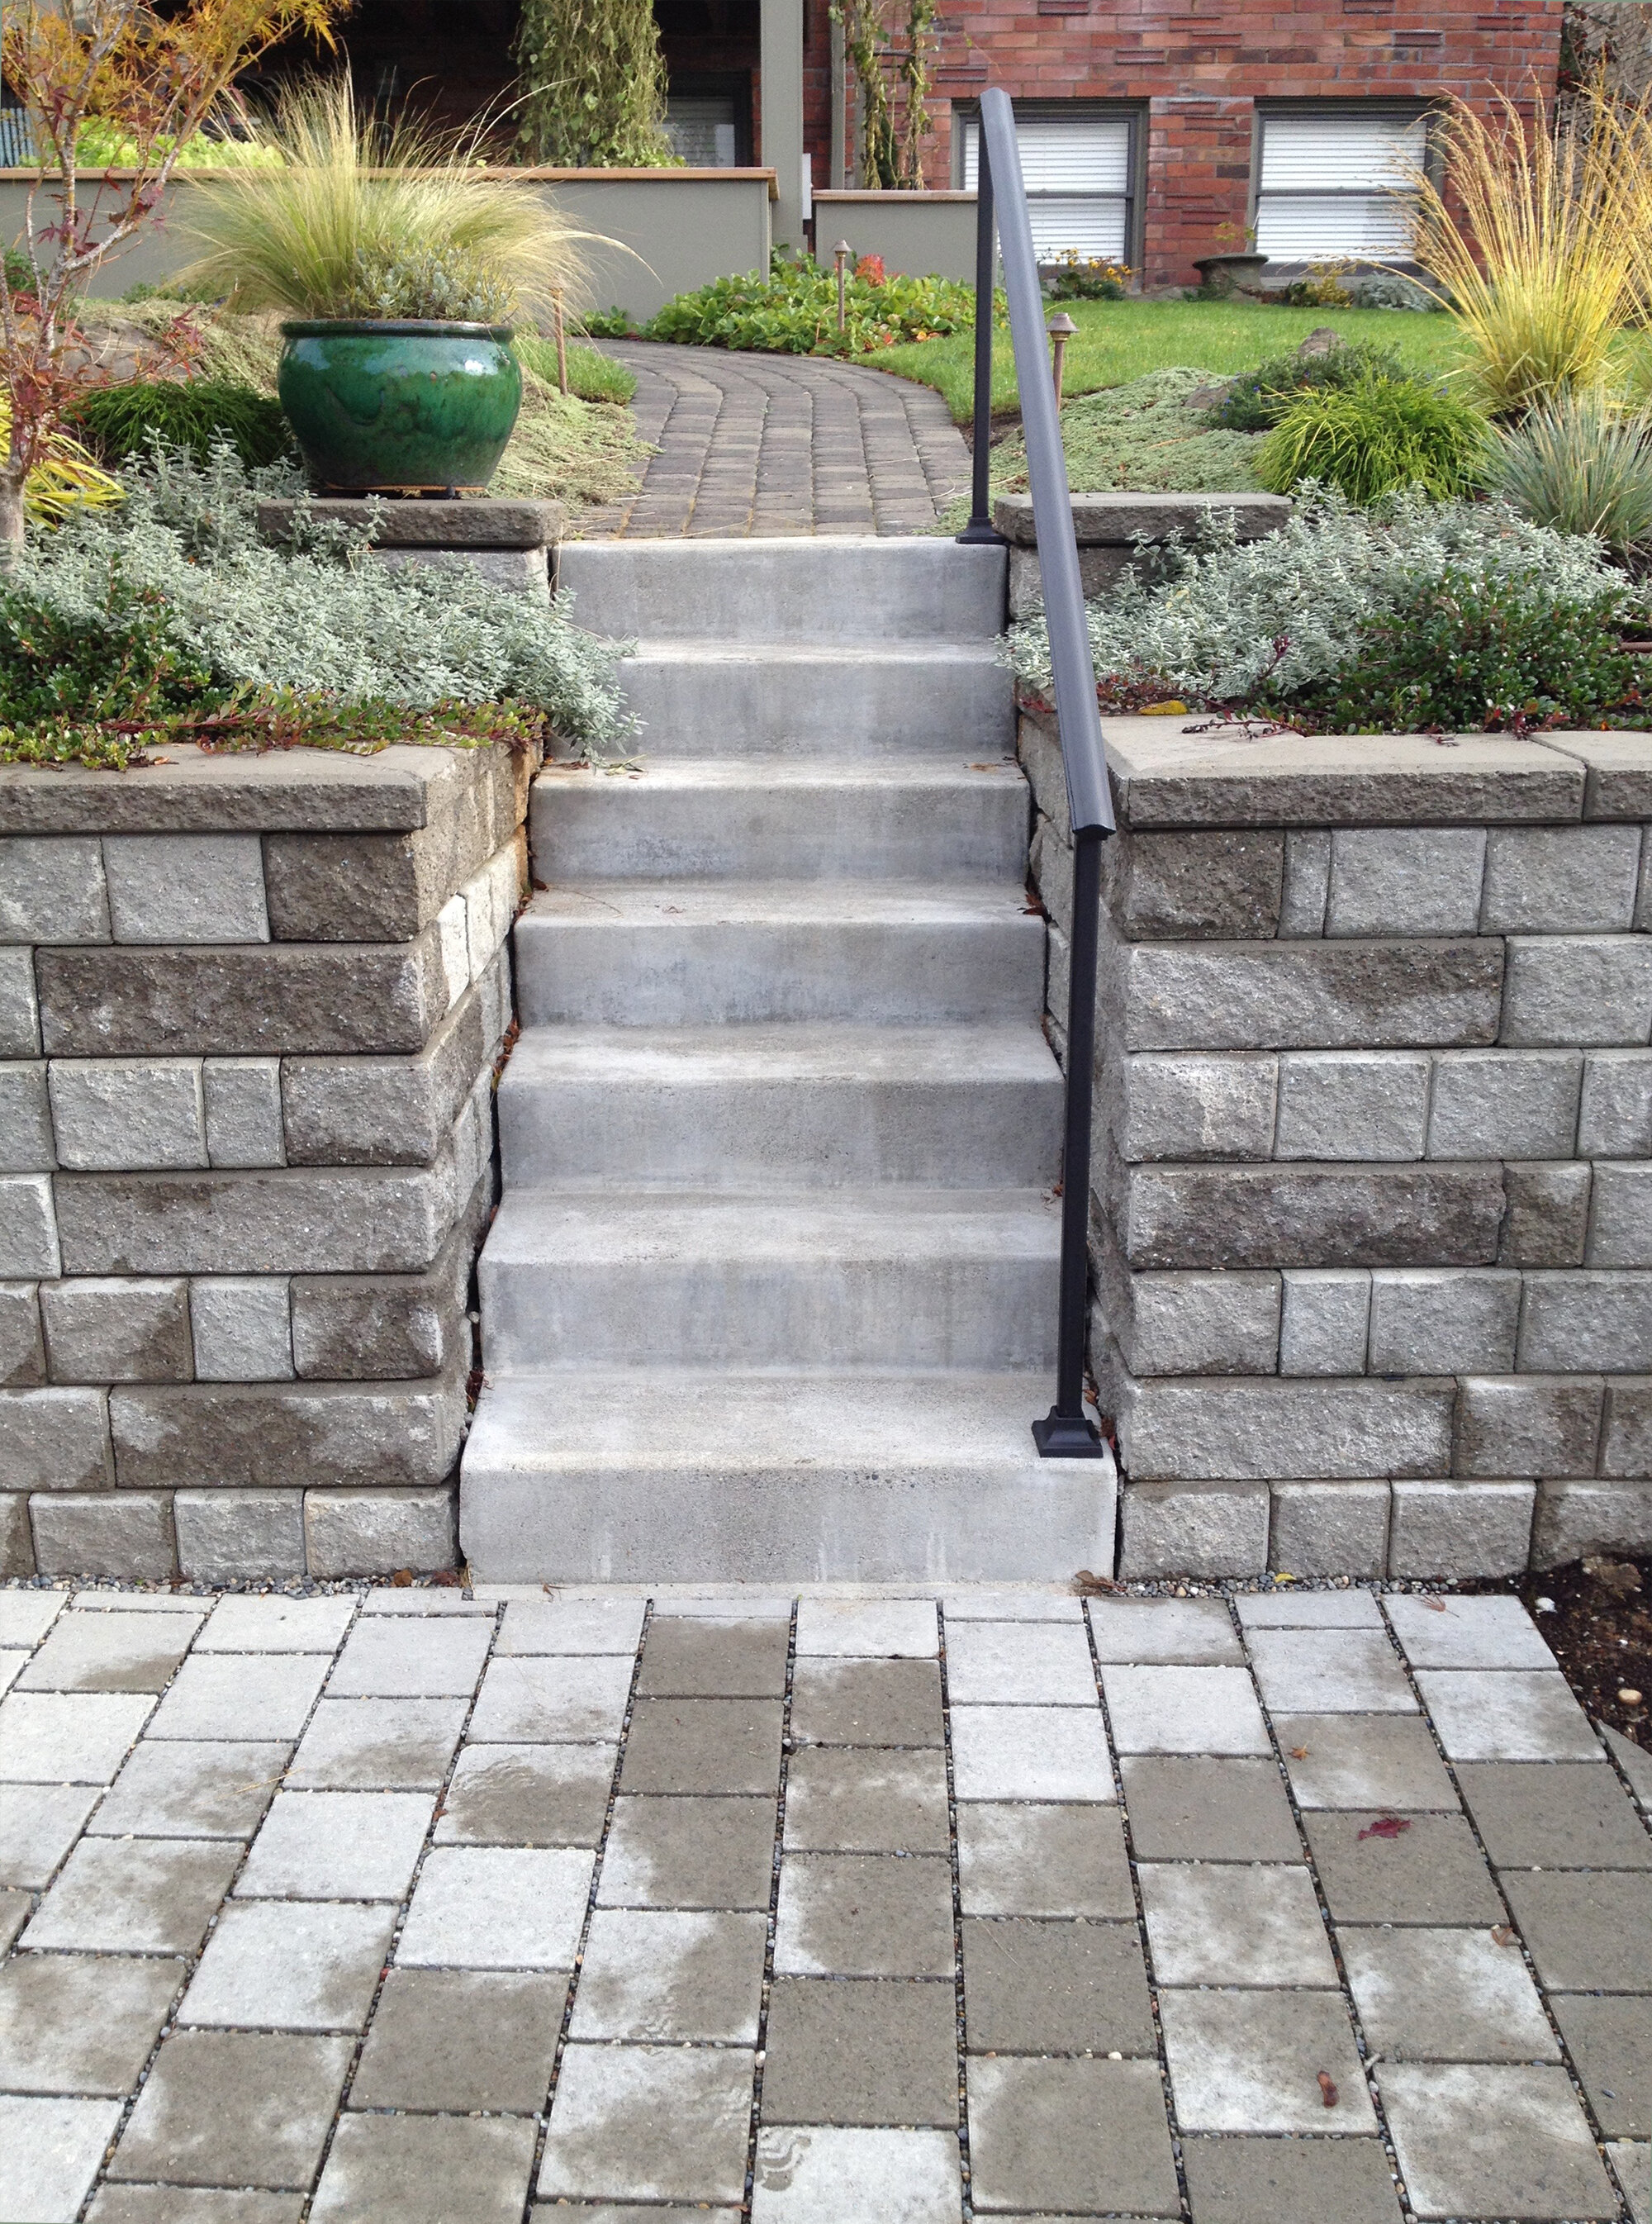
(65, 478)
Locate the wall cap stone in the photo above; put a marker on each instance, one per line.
(430, 524)
(1114, 520)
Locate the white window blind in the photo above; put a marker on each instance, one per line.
(1078, 173)
(1328, 185)
(700, 127)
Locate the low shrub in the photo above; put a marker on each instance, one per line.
(1096, 281)
(1370, 439)
(1257, 401)
(793, 311)
(119, 422)
(1581, 466)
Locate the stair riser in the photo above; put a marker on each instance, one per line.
(836, 590)
(746, 1135)
(982, 1314)
(753, 707)
(586, 827)
(635, 975)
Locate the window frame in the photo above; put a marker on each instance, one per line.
(1133, 113)
(1398, 110)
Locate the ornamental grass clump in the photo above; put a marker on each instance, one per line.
(1581, 465)
(1370, 438)
(1255, 402)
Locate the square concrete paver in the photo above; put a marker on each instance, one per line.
(864, 1915)
(1610, 2042)
(1191, 1632)
(426, 2170)
(1493, 2141)
(689, 1852)
(1020, 1663)
(185, 1789)
(459, 2040)
(378, 1745)
(650, 2124)
(235, 2108)
(551, 1699)
(276, 1625)
(1042, 1987)
(1184, 1710)
(612, 1623)
(289, 1965)
(1075, 2138)
(671, 1974)
(384, 1658)
(49, 2153)
(25, 1616)
(142, 1896)
(866, 1702)
(1445, 1996)
(1468, 1632)
(15, 1910)
(180, 2204)
(337, 1845)
(689, 1658)
(1251, 2062)
(1561, 1815)
(862, 2050)
(1587, 1932)
(1031, 1753)
(37, 1829)
(527, 1794)
(68, 1737)
(1633, 2164)
(1187, 1808)
(1507, 1714)
(827, 2175)
(70, 2023)
(1363, 1760)
(866, 1801)
(1299, 1609)
(875, 1629)
(1234, 1923)
(1329, 1671)
(226, 1695)
(703, 1745)
(981, 1603)
(1043, 1861)
(109, 1652)
(1289, 2182)
(496, 1907)
(1431, 1871)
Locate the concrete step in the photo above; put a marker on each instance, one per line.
(719, 698)
(834, 589)
(808, 1103)
(662, 1475)
(889, 1277)
(660, 953)
(897, 817)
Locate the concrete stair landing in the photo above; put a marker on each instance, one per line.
(771, 1294)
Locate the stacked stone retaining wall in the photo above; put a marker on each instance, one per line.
(1373, 1177)
(248, 1013)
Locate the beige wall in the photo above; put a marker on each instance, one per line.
(919, 233)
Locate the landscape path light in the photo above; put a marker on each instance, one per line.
(841, 254)
(1061, 329)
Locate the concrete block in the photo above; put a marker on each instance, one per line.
(185, 887)
(1504, 1104)
(1560, 879)
(288, 1436)
(1314, 995)
(51, 888)
(25, 1118)
(390, 1327)
(490, 900)
(17, 1536)
(20, 1015)
(230, 1536)
(1194, 1430)
(1351, 1104)
(1444, 1320)
(373, 887)
(244, 1111)
(1307, 882)
(1574, 1519)
(1190, 1107)
(125, 1534)
(1626, 1431)
(1405, 880)
(1311, 1215)
(1515, 1424)
(1325, 1321)
(1620, 1219)
(1615, 1119)
(451, 927)
(120, 1330)
(22, 1347)
(241, 1326)
(54, 1440)
(1212, 1530)
(374, 1533)
(1546, 1214)
(1456, 1527)
(1189, 1323)
(1329, 1528)
(28, 1244)
(1589, 989)
(1222, 882)
(473, 1134)
(384, 1111)
(129, 1113)
(1598, 1322)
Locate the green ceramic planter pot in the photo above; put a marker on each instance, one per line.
(400, 407)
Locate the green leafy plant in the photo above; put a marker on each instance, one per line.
(1093, 280)
(593, 78)
(893, 69)
(1372, 438)
(1260, 397)
(614, 324)
(118, 422)
(1583, 466)
(792, 310)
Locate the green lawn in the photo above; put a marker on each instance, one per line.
(1120, 340)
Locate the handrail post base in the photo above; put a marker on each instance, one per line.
(1068, 1435)
(980, 534)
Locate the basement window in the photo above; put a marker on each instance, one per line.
(1078, 166)
(1335, 186)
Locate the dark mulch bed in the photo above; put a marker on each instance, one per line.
(1597, 1616)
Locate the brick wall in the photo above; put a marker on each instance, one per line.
(1372, 1181)
(248, 1009)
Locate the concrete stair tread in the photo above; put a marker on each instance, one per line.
(829, 649)
(890, 769)
(619, 904)
(811, 1051)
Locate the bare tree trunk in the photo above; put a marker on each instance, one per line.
(12, 510)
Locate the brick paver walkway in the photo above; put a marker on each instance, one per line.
(409, 1906)
(779, 443)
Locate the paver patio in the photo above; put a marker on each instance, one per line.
(1325, 1908)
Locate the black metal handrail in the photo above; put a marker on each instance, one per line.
(1067, 1431)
